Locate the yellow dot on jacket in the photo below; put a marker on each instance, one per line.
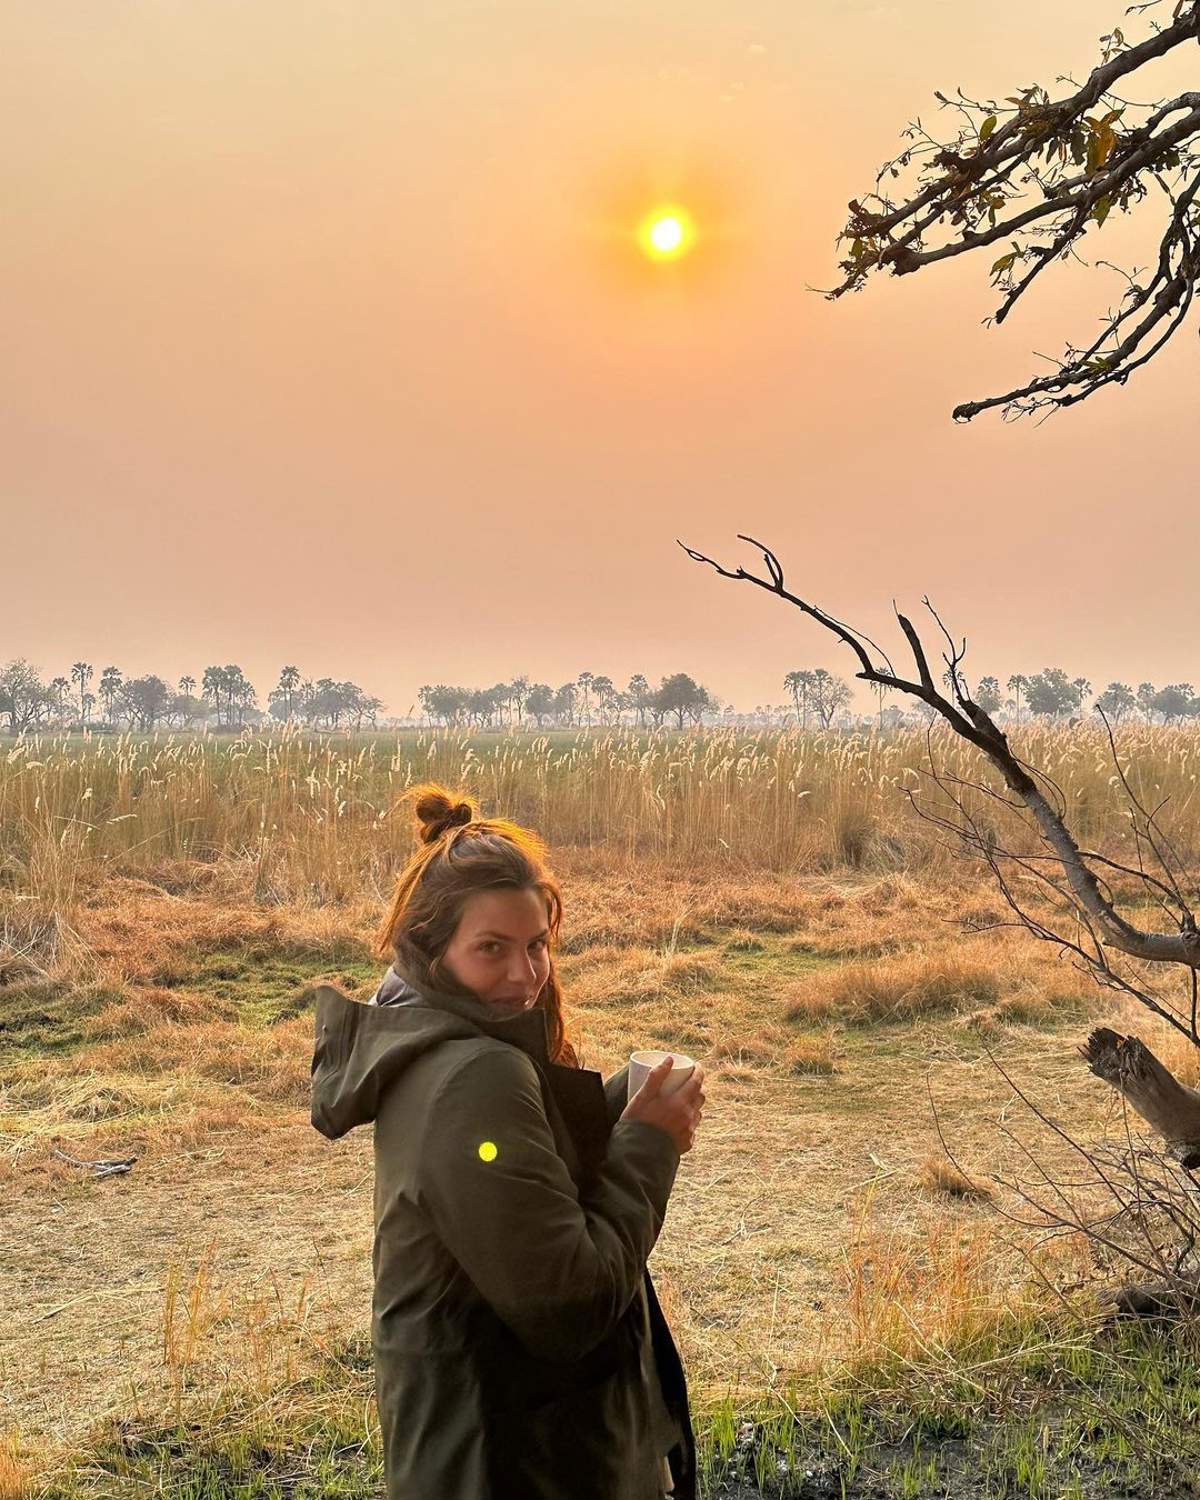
(487, 1151)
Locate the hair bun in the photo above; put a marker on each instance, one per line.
(437, 812)
(459, 814)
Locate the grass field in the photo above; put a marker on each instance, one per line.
(855, 1317)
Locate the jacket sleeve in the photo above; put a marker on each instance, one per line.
(615, 1090)
(558, 1270)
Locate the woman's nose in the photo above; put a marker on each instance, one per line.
(522, 969)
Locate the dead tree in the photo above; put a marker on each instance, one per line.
(1031, 177)
(1082, 884)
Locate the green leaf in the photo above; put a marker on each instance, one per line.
(986, 128)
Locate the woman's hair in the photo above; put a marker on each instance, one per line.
(460, 853)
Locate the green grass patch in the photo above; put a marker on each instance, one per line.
(322, 1457)
(42, 1016)
(1066, 1417)
(1018, 1411)
(303, 1442)
(771, 958)
(268, 982)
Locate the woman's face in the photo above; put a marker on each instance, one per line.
(500, 948)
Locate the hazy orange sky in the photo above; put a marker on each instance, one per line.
(326, 343)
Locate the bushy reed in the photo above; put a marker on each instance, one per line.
(312, 815)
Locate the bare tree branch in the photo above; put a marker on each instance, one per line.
(970, 721)
(1090, 898)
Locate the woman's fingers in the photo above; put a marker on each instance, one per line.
(655, 1078)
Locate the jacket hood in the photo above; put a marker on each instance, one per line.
(360, 1049)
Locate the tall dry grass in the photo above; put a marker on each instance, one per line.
(16, 1477)
(312, 816)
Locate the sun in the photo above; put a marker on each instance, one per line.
(667, 232)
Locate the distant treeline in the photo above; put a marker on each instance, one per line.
(224, 698)
(819, 696)
(588, 700)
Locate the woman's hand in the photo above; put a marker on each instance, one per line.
(678, 1113)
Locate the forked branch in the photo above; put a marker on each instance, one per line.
(1171, 1108)
(973, 724)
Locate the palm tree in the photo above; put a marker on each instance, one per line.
(1017, 684)
(81, 673)
(585, 681)
(881, 688)
(214, 683)
(289, 681)
(638, 693)
(59, 687)
(604, 691)
(110, 686)
(186, 684)
(238, 691)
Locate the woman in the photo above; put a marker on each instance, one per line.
(520, 1351)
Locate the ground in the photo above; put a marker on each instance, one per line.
(841, 1023)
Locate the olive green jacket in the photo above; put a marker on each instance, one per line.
(519, 1348)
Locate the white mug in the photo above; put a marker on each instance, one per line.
(641, 1063)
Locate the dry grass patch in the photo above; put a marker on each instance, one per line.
(772, 1047)
(165, 1082)
(16, 969)
(896, 989)
(1039, 995)
(136, 932)
(611, 975)
(93, 1114)
(1172, 1048)
(909, 1291)
(872, 918)
(938, 1175)
(675, 974)
(988, 982)
(742, 940)
(659, 904)
(273, 1064)
(149, 1007)
(606, 1033)
(18, 1477)
(62, 1091)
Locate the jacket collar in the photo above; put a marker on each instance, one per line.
(525, 1029)
(578, 1092)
